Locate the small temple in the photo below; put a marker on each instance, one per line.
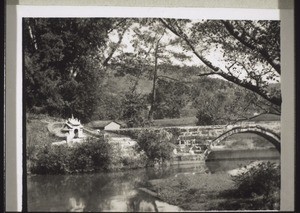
(73, 129)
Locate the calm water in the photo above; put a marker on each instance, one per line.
(117, 191)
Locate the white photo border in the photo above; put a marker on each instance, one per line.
(14, 90)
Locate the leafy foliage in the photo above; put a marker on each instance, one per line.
(171, 97)
(263, 179)
(257, 189)
(134, 110)
(156, 145)
(62, 69)
(92, 155)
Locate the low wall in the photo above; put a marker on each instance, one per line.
(270, 153)
(187, 159)
(201, 135)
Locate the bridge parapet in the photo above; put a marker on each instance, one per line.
(206, 134)
(211, 132)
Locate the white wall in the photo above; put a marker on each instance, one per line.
(112, 126)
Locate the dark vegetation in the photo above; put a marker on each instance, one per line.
(85, 157)
(256, 189)
(157, 145)
(262, 182)
(91, 156)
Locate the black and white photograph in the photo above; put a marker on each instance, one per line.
(152, 114)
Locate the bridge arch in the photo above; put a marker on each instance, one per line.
(268, 134)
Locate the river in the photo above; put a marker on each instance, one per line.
(114, 191)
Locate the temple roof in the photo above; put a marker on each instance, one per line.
(73, 121)
(66, 128)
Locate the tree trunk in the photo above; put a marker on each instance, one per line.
(153, 98)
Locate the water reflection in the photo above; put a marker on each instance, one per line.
(96, 192)
(76, 206)
(134, 201)
(142, 203)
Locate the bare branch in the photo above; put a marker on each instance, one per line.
(105, 62)
(228, 76)
(252, 117)
(263, 52)
(117, 25)
(182, 35)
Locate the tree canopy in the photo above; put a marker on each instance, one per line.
(139, 69)
(64, 61)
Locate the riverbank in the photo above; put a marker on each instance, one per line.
(187, 186)
(192, 192)
(255, 189)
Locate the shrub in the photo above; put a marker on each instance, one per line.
(175, 134)
(91, 155)
(94, 154)
(262, 181)
(134, 160)
(50, 160)
(204, 119)
(156, 144)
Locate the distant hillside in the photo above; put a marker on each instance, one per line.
(117, 85)
(192, 121)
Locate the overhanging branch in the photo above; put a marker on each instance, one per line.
(262, 51)
(216, 70)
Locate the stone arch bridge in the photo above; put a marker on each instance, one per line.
(268, 134)
(214, 134)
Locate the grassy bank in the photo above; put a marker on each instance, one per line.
(257, 189)
(193, 192)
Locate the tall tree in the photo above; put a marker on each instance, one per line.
(151, 44)
(65, 61)
(134, 109)
(171, 98)
(157, 49)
